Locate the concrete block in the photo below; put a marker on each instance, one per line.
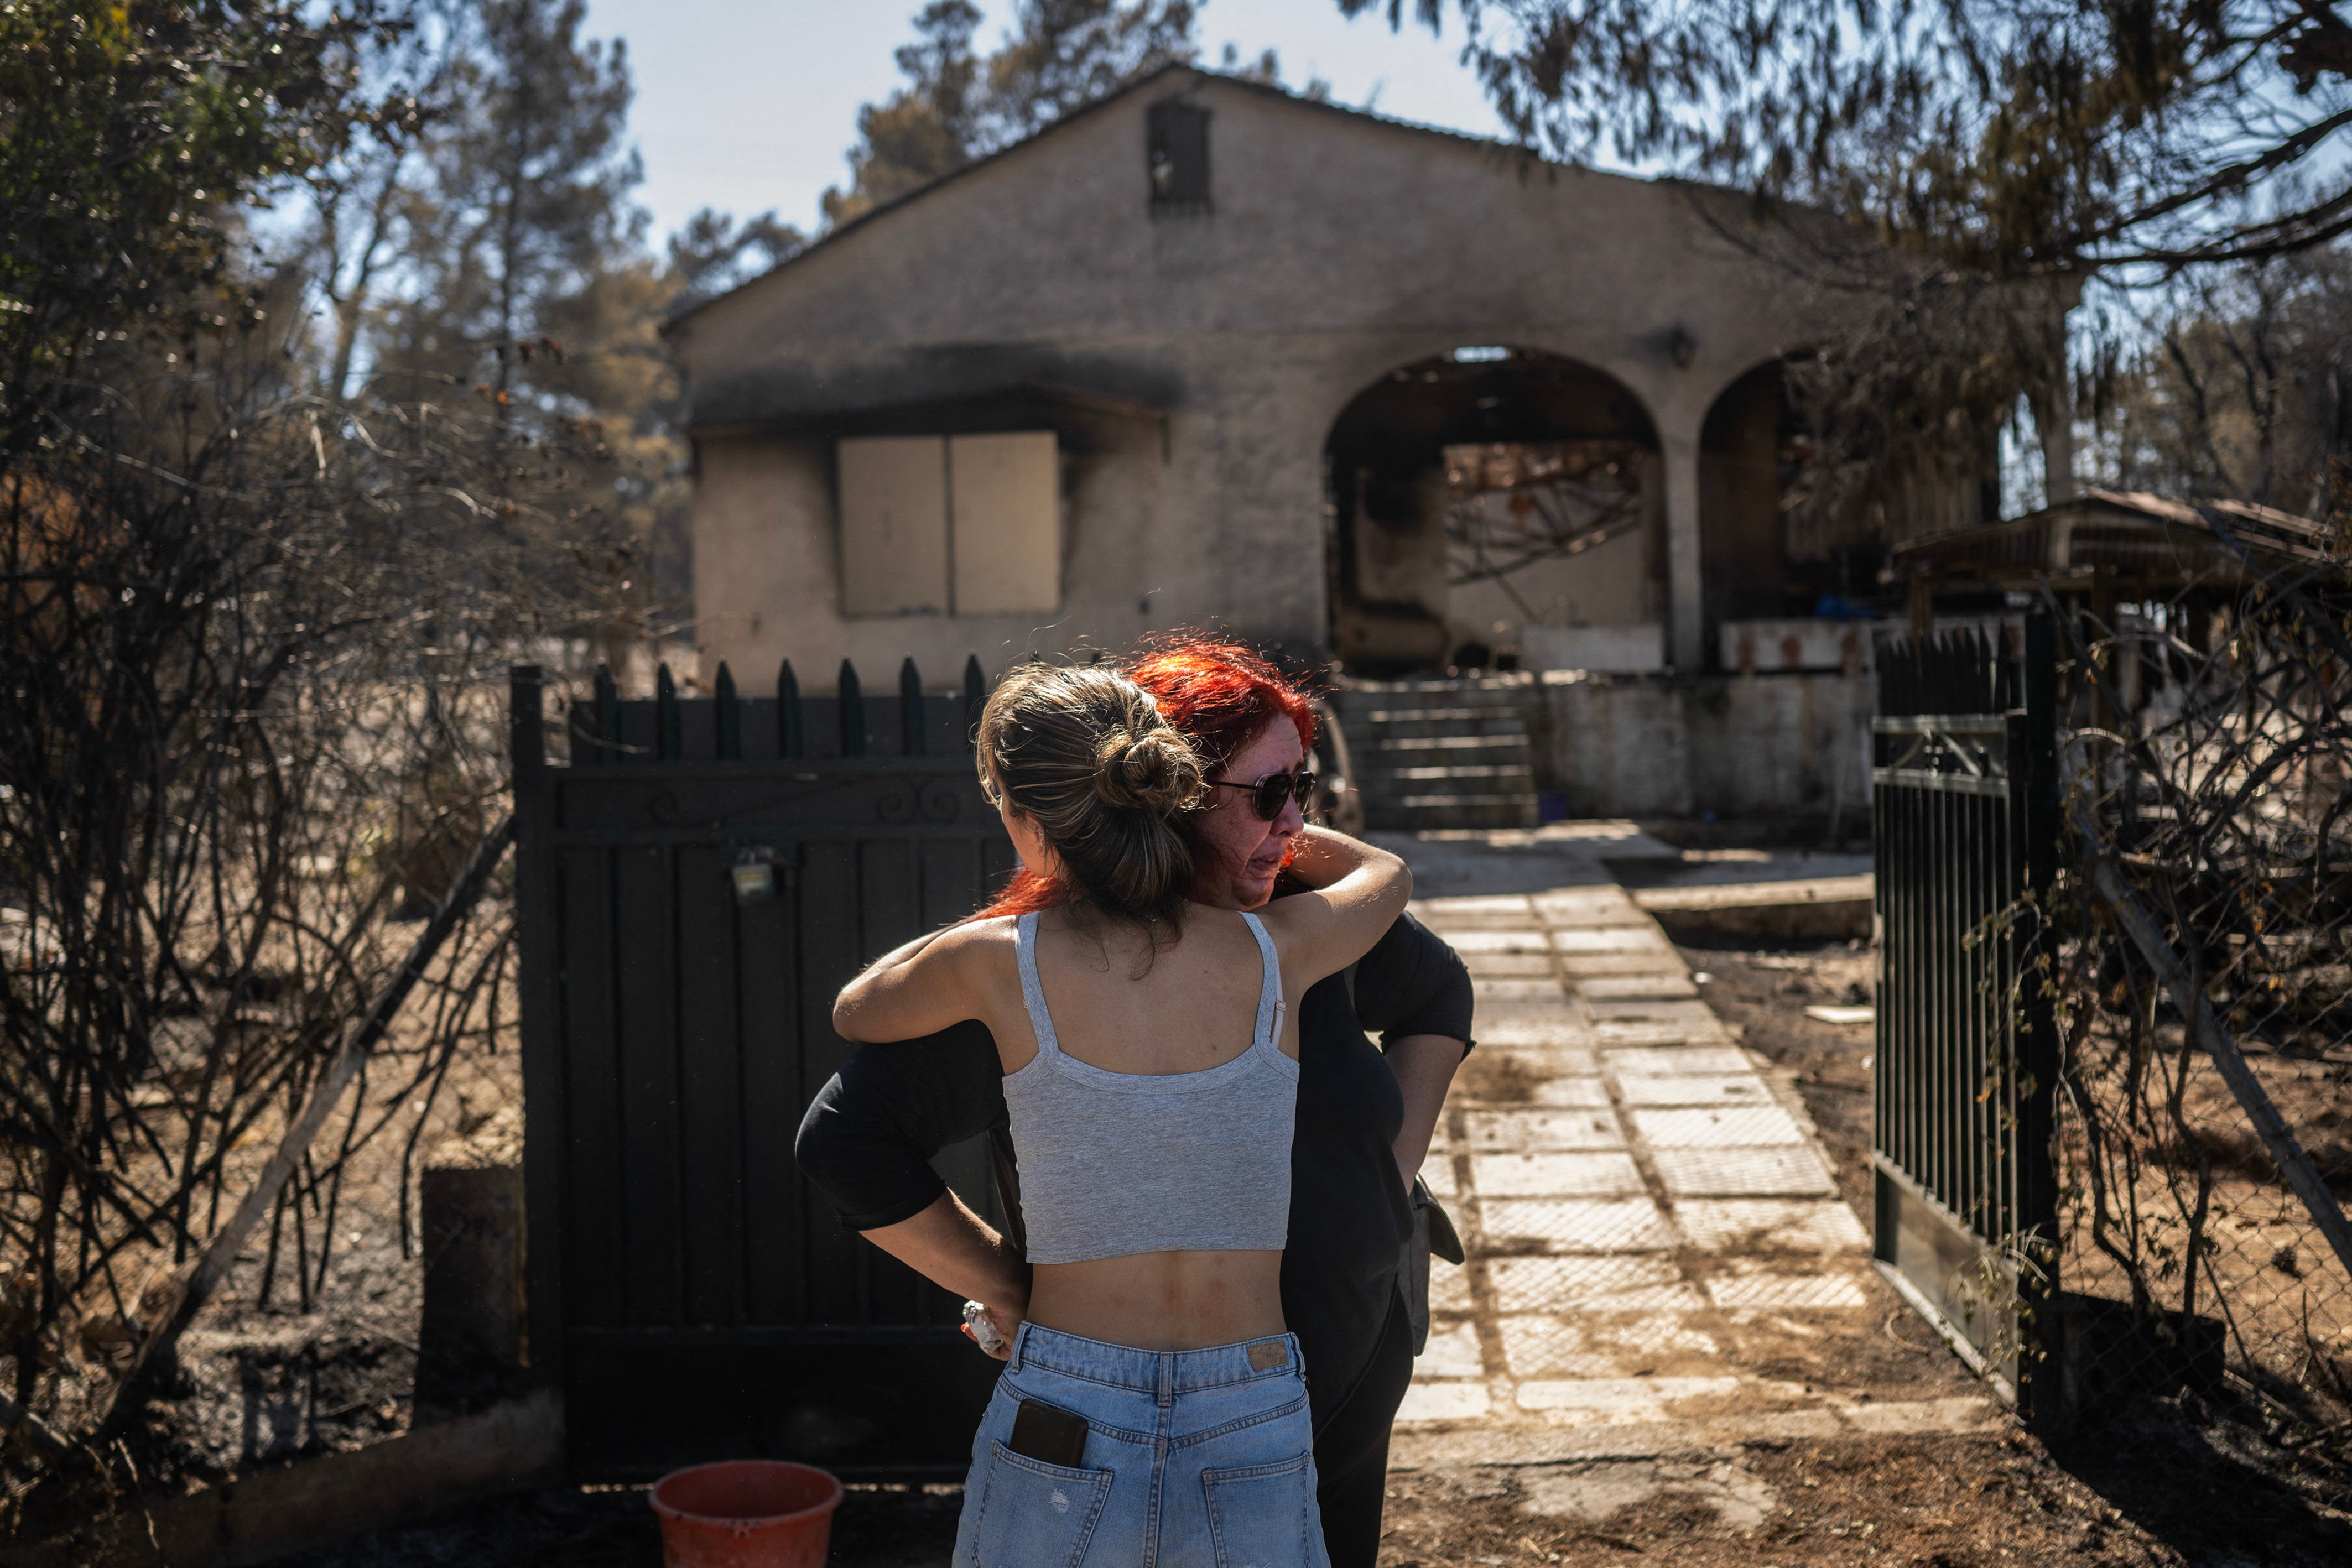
(1673, 1061)
(1452, 1351)
(1582, 1345)
(1510, 966)
(1792, 1172)
(1438, 1171)
(1659, 1032)
(1575, 1225)
(1659, 961)
(1653, 986)
(1449, 1287)
(1606, 905)
(1731, 1127)
(1530, 1026)
(1696, 1089)
(1773, 1223)
(1472, 911)
(1583, 939)
(1499, 940)
(1604, 1282)
(1531, 1132)
(1555, 1176)
(1427, 1402)
(1518, 991)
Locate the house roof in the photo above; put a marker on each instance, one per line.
(1141, 84)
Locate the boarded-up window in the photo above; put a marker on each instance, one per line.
(1177, 156)
(965, 525)
(894, 526)
(1005, 517)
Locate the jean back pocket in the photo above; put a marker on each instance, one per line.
(1033, 1514)
(1263, 1516)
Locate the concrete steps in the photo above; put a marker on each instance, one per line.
(1439, 754)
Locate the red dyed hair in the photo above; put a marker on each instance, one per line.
(1219, 695)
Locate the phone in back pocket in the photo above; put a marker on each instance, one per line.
(1053, 1437)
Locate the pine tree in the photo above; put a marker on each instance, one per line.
(957, 107)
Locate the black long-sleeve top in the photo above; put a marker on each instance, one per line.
(870, 1134)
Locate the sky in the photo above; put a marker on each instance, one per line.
(748, 105)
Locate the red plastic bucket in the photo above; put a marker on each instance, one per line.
(746, 1513)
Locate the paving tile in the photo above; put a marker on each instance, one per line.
(1608, 938)
(1449, 1287)
(1588, 906)
(1517, 990)
(1578, 1346)
(1731, 1127)
(1613, 1401)
(1585, 1091)
(1658, 1032)
(1794, 1172)
(1532, 1131)
(1531, 1026)
(1442, 1402)
(1615, 1282)
(1525, 1066)
(1641, 987)
(1575, 1225)
(1633, 961)
(1545, 1344)
(1527, 941)
(1677, 1008)
(1786, 1292)
(1663, 1061)
(1491, 912)
(1452, 1351)
(1509, 966)
(1555, 1176)
(1693, 1088)
(1718, 1223)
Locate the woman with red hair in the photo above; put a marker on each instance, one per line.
(1364, 1118)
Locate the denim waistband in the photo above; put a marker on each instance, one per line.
(1160, 1372)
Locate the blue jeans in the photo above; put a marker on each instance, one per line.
(1194, 1458)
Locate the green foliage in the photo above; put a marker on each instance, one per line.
(957, 106)
(131, 132)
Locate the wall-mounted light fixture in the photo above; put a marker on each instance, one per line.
(755, 876)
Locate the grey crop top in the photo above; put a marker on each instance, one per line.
(1119, 1163)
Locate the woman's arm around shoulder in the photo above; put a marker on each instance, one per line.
(931, 983)
(1356, 892)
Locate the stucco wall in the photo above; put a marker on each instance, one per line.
(1758, 746)
(1338, 249)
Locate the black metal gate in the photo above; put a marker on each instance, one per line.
(1964, 834)
(695, 886)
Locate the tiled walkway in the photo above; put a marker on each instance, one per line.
(1649, 1217)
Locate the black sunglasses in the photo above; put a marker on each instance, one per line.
(1268, 793)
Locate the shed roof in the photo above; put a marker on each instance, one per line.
(2140, 539)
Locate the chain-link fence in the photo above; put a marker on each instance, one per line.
(2203, 978)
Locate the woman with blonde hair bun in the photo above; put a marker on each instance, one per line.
(1154, 1405)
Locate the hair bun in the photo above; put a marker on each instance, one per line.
(1155, 771)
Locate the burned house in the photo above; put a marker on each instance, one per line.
(1206, 352)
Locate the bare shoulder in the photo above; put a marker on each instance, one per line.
(978, 942)
(1293, 915)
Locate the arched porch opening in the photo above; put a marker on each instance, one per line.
(1749, 448)
(1485, 507)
